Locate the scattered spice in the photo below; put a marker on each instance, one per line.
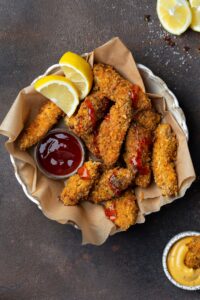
(169, 40)
(186, 48)
(147, 18)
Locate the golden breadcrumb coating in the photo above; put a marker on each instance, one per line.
(138, 154)
(164, 156)
(85, 122)
(116, 88)
(90, 141)
(128, 97)
(111, 184)
(78, 186)
(123, 211)
(112, 132)
(148, 119)
(91, 110)
(192, 258)
(47, 117)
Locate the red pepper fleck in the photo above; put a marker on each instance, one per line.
(91, 111)
(111, 213)
(83, 173)
(135, 95)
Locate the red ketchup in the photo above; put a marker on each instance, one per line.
(83, 173)
(135, 95)
(59, 153)
(91, 111)
(110, 212)
(137, 160)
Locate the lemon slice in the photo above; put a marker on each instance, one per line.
(195, 25)
(78, 71)
(174, 15)
(59, 90)
(195, 3)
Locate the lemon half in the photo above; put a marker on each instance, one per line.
(195, 3)
(59, 90)
(174, 15)
(195, 25)
(78, 70)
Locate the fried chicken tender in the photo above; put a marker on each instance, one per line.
(47, 117)
(116, 88)
(164, 156)
(112, 132)
(91, 110)
(90, 141)
(192, 258)
(138, 154)
(111, 184)
(86, 121)
(79, 185)
(148, 119)
(128, 97)
(123, 211)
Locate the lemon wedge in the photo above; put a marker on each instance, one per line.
(195, 25)
(174, 15)
(195, 3)
(78, 71)
(59, 90)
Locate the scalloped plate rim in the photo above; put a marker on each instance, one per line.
(152, 76)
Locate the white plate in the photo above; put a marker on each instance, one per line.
(153, 85)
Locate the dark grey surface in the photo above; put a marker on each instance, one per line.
(40, 259)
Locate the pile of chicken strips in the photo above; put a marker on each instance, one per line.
(127, 145)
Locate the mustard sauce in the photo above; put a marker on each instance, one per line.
(176, 265)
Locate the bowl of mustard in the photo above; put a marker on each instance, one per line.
(181, 261)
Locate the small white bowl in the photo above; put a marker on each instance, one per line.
(169, 245)
(59, 177)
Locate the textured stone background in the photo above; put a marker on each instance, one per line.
(40, 259)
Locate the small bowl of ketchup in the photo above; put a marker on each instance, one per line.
(59, 154)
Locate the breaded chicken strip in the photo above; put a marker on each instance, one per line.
(123, 211)
(111, 184)
(46, 118)
(112, 131)
(192, 258)
(148, 119)
(90, 141)
(79, 185)
(86, 121)
(116, 88)
(91, 110)
(164, 156)
(138, 154)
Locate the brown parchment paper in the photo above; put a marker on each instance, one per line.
(89, 217)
